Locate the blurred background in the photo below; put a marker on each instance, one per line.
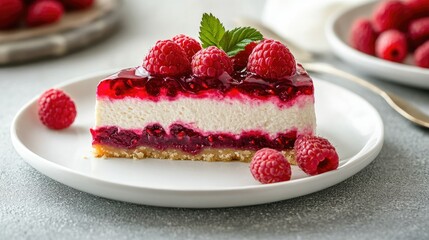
(141, 23)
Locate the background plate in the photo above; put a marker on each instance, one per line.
(348, 121)
(76, 30)
(337, 32)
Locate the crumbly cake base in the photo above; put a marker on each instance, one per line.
(208, 154)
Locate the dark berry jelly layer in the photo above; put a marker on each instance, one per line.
(127, 84)
(188, 140)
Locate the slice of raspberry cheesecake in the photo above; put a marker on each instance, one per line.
(193, 102)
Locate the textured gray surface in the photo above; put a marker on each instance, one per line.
(389, 199)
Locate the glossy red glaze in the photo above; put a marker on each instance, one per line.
(237, 85)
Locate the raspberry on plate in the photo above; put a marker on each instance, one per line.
(239, 61)
(315, 155)
(44, 12)
(56, 109)
(10, 12)
(363, 36)
(190, 45)
(271, 59)
(270, 166)
(211, 62)
(167, 58)
(390, 14)
(418, 8)
(77, 4)
(418, 31)
(392, 45)
(421, 55)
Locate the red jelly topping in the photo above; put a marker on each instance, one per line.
(188, 140)
(127, 84)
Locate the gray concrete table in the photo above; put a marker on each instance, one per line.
(389, 199)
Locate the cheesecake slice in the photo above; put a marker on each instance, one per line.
(221, 99)
(226, 118)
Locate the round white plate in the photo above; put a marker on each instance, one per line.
(337, 31)
(348, 121)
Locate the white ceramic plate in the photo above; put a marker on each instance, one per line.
(337, 32)
(347, 120)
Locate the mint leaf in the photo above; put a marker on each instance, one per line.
(211, 30)
(235, 40)
(213, 33)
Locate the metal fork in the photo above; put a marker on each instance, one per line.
(400, 105)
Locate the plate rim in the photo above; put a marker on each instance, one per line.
(342, 48)
(355, 163)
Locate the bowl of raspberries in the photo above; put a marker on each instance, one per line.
(34, 13)
(388, 39)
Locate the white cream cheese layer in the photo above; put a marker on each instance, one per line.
(208, 115)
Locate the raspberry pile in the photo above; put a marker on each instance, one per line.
(314, 155)
(395, 29)
(33, 13)
(56, 109)
(182, 55)
(241, 51)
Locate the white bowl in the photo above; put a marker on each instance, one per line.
(337, 31)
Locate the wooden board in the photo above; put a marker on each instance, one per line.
(75, 30)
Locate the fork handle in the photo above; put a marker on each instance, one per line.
(397, 103)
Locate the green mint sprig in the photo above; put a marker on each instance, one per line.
(213, 33)
(211, 30)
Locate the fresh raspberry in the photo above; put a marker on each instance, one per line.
(421, 55)
(239, 61)
(44, 12)
(211, 62)
(363, 36)
(391, 45)
(270, 166)
(315, 155)
(271, 59)
(77, 4)
(190, 45)
(10, 13)
(167, 58)
(418, 8)
(391, 14)
(418, 31)
(56, 109)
